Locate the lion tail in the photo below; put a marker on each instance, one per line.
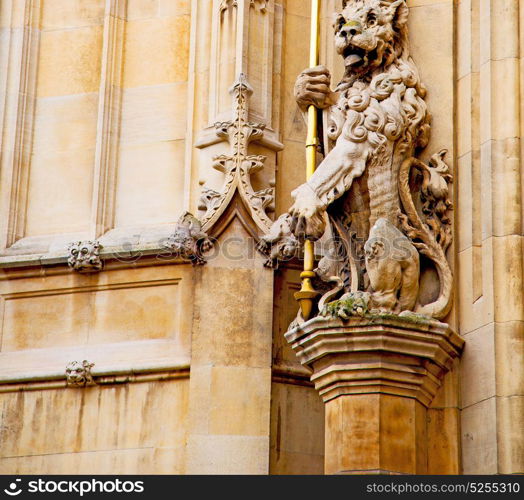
(425, 240)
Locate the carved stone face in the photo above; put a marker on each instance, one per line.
(77, 373)
(289, 247)
(367, 32)
(85, 256)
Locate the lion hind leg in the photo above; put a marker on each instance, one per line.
(409, 287)
(384, 300)
(393, 267)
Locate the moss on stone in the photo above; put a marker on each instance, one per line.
(413, 318)
(353, 304)
(357, 304)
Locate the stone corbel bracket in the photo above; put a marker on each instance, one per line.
(405, 357)
(84, 256)
(78, 374)
(238, 165)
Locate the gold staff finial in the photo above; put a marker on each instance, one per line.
(307, 293)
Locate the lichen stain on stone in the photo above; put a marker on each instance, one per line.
(352, 305)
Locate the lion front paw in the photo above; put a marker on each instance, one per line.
(307, 214)
(307, 203)
(312, 88)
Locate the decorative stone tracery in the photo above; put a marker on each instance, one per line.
(238, 165)
(261, 5)
(245, 121)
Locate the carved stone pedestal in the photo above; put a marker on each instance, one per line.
(376, 375)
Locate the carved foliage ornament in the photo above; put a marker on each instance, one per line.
(78, 374)
(385, 207)
(84, 256)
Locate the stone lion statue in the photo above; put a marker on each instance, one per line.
(387, 208)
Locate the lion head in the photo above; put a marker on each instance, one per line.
(370, 34)
(79, 374)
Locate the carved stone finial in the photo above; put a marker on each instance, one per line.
(84, 256)
(188, 241)
(78, 374)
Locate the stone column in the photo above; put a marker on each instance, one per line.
(490, 233)
(233, 163)
(230, 384)
(377, 377)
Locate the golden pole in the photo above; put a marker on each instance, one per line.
(307, 293)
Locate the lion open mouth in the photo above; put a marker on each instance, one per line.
(356, 57)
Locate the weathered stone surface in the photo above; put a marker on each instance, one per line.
(377, 376)
(374, 354)
(66, 441)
